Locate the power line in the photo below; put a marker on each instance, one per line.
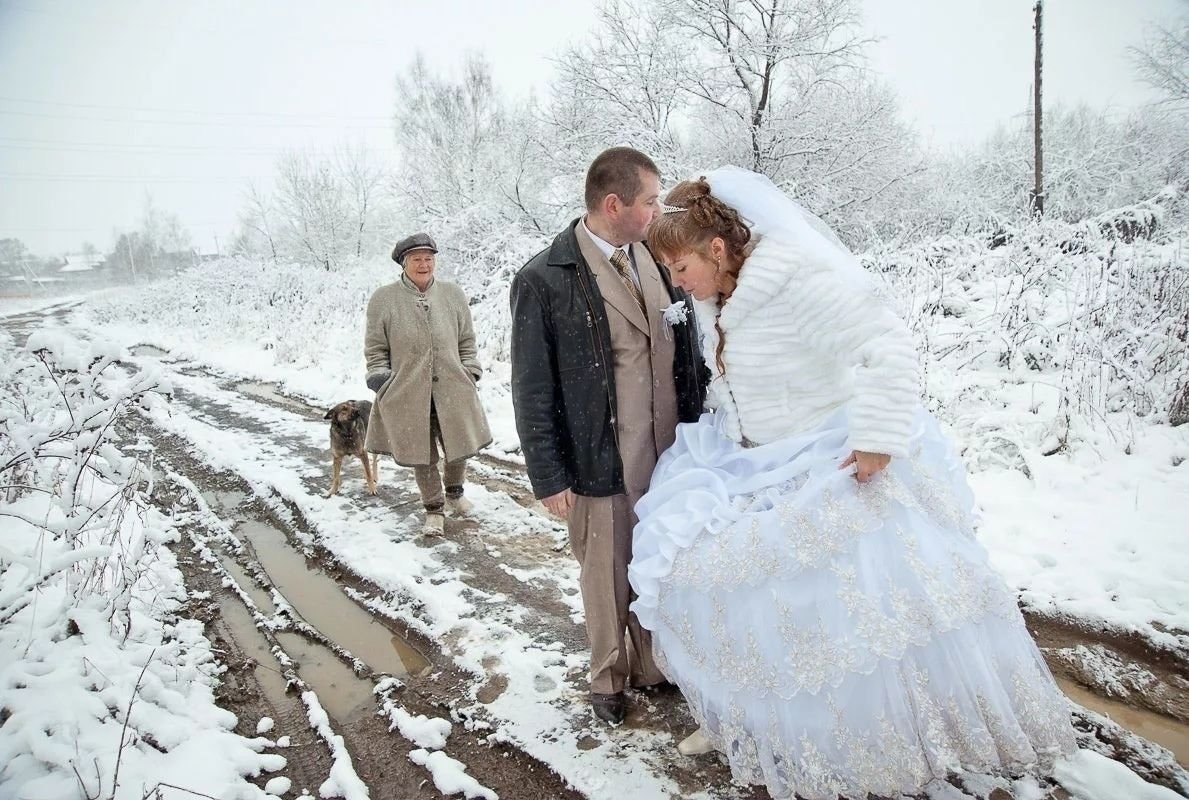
(71, 14)
(10, 229)
(91, 178)
(159, 149)
(193, 123)
(133, 150)
(154, 110)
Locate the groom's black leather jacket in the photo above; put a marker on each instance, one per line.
(563, 380)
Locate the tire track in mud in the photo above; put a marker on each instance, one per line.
(306, 658)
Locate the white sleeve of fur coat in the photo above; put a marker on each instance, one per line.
(859, 330)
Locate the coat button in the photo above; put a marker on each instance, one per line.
(435, 378)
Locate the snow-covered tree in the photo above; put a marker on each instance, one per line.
(625, 84)
(256, 220)
(778, 86)
(314, 210)
(363, 179)
(1163, 61)
(470, 160)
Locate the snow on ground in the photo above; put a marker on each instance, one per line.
(49, 300)
(343, 781)
(1102, 539)
(106, 689)
(449, 775)
(12, 306)
(1090, 776)
(1090, 530)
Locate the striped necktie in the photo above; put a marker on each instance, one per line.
(619, 260)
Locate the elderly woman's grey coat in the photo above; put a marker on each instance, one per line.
(428, 342)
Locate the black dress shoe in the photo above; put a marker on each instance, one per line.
(609, 707)
(654, 689)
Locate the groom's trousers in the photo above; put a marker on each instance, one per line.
(646, 423)
(601, 540)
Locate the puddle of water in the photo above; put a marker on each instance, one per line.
(1165, 732)
(148, 350)
(343, 694)
(320, 602)
(268, 391)
(261, 598)
(255, 646)
(224, 501)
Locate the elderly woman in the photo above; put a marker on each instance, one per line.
(421, 363)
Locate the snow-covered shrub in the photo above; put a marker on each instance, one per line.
(62, 474)
(1083, 325)
(303, 317)
(105, 691)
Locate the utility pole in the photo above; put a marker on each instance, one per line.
(1037, 196)
(131, 260)
(31, 277)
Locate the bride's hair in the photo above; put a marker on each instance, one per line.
(701, 217)
(693, 218)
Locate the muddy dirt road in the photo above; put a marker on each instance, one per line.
(338, 610)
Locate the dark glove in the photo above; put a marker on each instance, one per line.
(376, 379)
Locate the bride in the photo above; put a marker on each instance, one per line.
(805, 556)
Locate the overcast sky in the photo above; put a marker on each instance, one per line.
(103, 102)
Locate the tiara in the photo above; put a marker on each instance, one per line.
(672, 209)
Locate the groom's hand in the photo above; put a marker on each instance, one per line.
(560, 504)
(867, 465)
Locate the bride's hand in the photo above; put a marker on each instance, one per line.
(867, 465)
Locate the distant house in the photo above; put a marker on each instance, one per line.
(81, 263)
(29, 285)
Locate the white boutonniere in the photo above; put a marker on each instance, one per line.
(674, 315)
(677, 313)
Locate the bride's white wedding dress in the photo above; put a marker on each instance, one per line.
(831, 638)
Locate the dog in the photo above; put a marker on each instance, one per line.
(348, 434)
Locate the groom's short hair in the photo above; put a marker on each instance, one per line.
(617, 171)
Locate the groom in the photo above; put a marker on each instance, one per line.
(599, 385)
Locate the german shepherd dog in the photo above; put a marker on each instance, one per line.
(348, 433)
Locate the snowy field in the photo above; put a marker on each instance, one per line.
(1049, 369)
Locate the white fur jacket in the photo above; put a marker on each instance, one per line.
(806, 335)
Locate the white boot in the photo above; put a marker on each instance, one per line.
(459, 506)
(435, 523)
(695, 744)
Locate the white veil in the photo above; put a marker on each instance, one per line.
(769, 211)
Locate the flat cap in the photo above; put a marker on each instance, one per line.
(418, 241)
